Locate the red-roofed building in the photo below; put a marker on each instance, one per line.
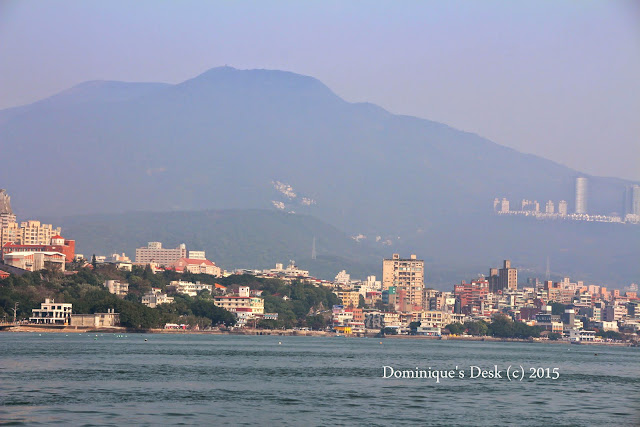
(57, 244)
(3, 274)
(197, 266)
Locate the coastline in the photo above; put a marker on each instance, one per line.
(288, 332)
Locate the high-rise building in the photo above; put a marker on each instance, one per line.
(507, 276)
(549, 207)
(29, 233)
(581, 195)
(562, 208)
(504, 205)
(635, 200)
(155, 253)
(407, 274)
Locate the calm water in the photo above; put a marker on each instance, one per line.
(201, 379)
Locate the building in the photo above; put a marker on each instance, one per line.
(549, 207)
(507, 276)
(155, 253)
(581, 195)
(197, 266)
(349, 298)
(28, 233)
(96, 320)
(405, 274)
(343, 278)
(36, 261)
(634, 199)
(56, 244)
(197, 255)
(504, 205)
(291, 271)
(117, 287)
(243, 306)
(472, 296)
(155, 298)
(563, 209)
(51, 313)
(188, 288)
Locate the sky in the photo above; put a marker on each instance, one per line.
(559, 79)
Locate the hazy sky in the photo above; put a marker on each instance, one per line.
(560, 79)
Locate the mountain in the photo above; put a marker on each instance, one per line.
(260, 139)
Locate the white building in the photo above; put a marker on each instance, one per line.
(36, 261)
(343, 278)
(163, 257)
(581, 195)
(189, 288)
(117, 287)
(155, 298)
(51, 313)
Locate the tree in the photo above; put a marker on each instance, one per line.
(361, 303)
(94, 263)
(554, 336)
(455, 328)
(413, 326)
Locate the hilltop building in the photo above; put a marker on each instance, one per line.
(155, 253)
(57, 243)
(117, 287)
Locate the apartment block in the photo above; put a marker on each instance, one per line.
(405, 274)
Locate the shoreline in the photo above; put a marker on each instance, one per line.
(288, 332)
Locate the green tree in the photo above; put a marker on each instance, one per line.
(456, 328)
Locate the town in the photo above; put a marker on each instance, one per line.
(45, 283)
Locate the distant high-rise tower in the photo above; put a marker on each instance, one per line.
(313, 248)
(562, 207)
(549, 208)
(581, 195)
(635, 200)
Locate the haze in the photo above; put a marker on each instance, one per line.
(556, 79)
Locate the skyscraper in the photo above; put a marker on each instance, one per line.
(581, 195)
(635, 200)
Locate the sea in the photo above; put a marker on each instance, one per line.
(198, 379)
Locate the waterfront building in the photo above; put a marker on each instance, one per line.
(117, 287)
(51, 313)
(563, 208)
(581, 195)
(504, 205)
(155, 253)
(96, 320)
(405, 274)
(549, 207)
